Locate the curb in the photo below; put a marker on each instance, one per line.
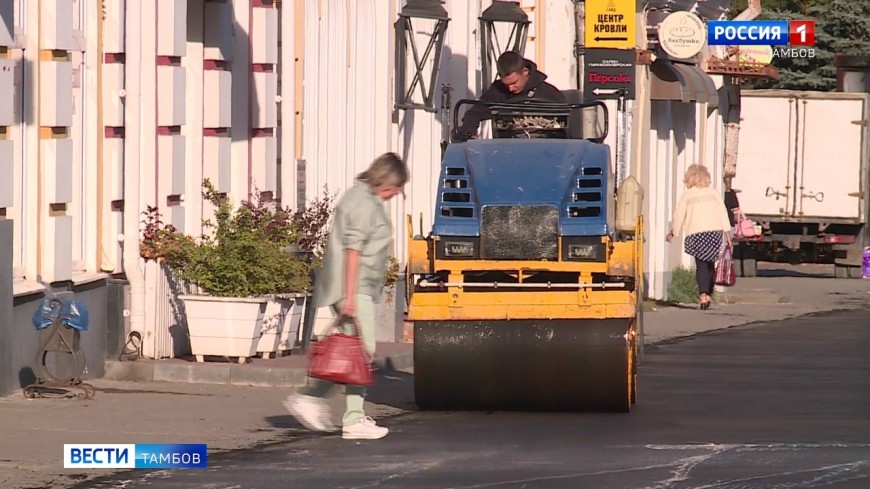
(231, 374)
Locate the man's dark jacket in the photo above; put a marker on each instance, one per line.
(536, 89)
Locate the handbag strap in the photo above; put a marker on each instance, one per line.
(339, 320)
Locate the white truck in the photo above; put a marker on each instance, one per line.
(802, 176)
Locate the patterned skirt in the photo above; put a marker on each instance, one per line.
(705, 246)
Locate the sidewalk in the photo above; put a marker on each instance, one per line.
(805, 290)
(173, 401)
(751, 300)
(286, 371)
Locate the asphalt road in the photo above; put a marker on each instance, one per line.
(766, 406)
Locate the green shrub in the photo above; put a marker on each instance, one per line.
(391, 277)
(258, 248)
(683, 288)
(312, 223)
(244, 255)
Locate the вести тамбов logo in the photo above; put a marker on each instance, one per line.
(135, 456)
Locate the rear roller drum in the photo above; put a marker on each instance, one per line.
(529, 365)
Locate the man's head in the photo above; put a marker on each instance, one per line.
(513, 71)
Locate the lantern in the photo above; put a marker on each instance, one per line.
(500, 12)
(406, 39)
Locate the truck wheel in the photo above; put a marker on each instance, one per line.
(845, 271)
(749, 267)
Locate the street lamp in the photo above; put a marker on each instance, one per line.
(490, 49)
(406, 37)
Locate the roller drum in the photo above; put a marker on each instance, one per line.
(528, 365)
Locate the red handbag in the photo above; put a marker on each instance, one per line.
(341, 358)
(725, 274)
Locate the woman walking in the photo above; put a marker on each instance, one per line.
(355, 264)
(703, 219)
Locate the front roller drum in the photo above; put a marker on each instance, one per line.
(525, 365)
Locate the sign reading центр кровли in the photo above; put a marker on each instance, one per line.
(610, 24)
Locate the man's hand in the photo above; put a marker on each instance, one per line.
(669, 237)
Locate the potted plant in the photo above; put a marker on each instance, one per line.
(312, 227)
(248, 282)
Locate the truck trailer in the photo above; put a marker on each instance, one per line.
(803, 178)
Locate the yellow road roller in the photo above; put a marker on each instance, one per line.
(527, 293)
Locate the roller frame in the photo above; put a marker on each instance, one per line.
(551, 361)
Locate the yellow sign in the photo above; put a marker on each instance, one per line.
(611, 24)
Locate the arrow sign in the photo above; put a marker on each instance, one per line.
(610, 24)
(608, 74)
(604, 91)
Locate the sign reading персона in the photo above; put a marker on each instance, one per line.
(607, 73)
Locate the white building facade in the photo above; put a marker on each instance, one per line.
(108, 107)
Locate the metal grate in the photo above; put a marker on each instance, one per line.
(519, 233)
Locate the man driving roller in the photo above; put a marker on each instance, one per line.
(519, 79)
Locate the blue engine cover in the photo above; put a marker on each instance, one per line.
(572, 174)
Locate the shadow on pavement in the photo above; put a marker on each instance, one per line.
(392, 388)
(112, 390)
(815, 272)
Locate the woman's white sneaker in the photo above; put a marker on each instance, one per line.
(364, 429)
(310, 411)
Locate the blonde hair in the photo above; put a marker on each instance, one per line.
(697, 176)
(387, 169)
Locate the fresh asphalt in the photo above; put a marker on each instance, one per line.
(763, 406)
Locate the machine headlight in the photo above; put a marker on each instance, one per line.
(583, 248)
(455, 249)
(583, 251)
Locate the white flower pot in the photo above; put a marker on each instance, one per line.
(387, 316)
(224, 326)
(274, 322)
(292, 321)
(323, 319)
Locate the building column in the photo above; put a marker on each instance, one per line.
(7, 111)
(217, 90)
(112, 134)
(171, 110)
(55, 157)
(7, 369)
(263, 99)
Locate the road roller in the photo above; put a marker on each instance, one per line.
(526, 294)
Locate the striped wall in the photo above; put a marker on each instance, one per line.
(280, 97)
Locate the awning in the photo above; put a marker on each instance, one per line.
(682, 82)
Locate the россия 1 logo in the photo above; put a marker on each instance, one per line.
(780, 34)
